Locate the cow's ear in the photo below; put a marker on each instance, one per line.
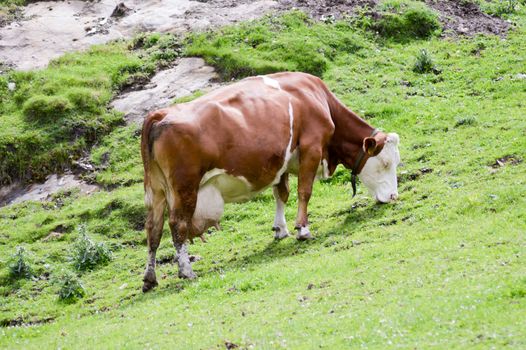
(369, 146)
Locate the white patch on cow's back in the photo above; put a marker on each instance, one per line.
(271, 82)
(288, 150)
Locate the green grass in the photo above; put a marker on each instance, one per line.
(443, 267)
(275, 43)
(54, 115)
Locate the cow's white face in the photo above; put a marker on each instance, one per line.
(379, 172)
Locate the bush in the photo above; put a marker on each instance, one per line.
(40, 107)
(69, 286)
(87, 254)
(19, 265)
(424, 63)
(406, 20)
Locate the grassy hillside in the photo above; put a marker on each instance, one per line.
(443, 267)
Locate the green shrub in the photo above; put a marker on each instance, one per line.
(69, 286)
(87, 254)
(423, 63)
(406, 20)
(40, 107)
(19, 265)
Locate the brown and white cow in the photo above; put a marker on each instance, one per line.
(235, 142)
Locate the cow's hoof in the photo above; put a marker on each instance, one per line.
(304, 234)
(148, 285)
(280, 233)
(189, 275)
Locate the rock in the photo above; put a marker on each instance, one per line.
(120, 10)
(16, 193)
(22, 41)
(190, 74)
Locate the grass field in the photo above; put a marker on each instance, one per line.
(443, 267)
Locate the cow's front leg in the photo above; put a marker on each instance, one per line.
(281, 195)
(309, 162)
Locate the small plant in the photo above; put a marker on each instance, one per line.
(69, 286)
(19, 266)
(465, 121)
(506, 6)
(86, 253)
(424, 63)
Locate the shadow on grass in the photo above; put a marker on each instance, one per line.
(358, 214)
(352, 217)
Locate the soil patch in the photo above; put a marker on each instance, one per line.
(457, 17)
(466, 18)
(20, 322)
(509, 159)
(326, 9)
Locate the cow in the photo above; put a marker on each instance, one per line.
(235, 142)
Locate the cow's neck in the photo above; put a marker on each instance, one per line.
(350, 131)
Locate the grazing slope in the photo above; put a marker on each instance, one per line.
(441, 268)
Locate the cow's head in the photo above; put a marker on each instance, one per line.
(379, 172)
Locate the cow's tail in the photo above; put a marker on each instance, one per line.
(147, 150)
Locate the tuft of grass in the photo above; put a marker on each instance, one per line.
(19, 264)
(424, 63)
(40, 108)
(69, 286)
(404, 20)
(466, 121)
(88, 254)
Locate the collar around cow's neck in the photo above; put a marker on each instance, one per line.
(358, 165)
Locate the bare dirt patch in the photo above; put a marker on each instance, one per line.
(509, 159)
(457, 17)
(466, 18)
(325, 9)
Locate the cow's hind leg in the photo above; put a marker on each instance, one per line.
(156, 204)
(181, 225)
(281, 195)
